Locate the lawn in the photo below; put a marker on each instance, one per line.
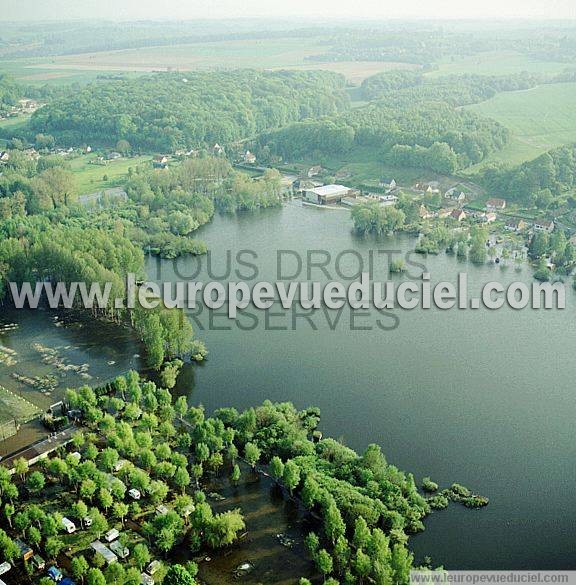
(495, 63)
(540, 119)
(92, 177)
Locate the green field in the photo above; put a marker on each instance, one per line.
(92, 177)
(540, 119)
(495, 63)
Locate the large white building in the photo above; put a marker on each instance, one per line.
(326, 194)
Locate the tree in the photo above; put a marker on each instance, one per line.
(121, 511)
(141, 555)
(99, 522)
(53, 546)
(276, 468)
(236, 474)
(252, 454)
(79, 566)
(324, 562)
(95, 577)
(21, 467)
(361, 533)
(363, 565)
(181, 478)
(334, 525)
(106, 499)
(115, 574)
(223, 529)
(123, 147)
(178, 575)
(291, 475)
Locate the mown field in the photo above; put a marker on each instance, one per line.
(540, 119)
(92, 177)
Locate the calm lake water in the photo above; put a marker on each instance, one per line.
(482, 398)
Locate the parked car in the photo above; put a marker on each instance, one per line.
(134, 494)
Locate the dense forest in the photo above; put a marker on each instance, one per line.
(428, 135)
(537, 182)
(403, 88)
(165, 111)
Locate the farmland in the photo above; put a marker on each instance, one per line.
(495, 63)
(540, 119)
(286, 53)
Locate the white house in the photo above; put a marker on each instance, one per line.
(68, 525)
(543, 225)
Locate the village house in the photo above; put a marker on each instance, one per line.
(326, 194)
(4, 156)
(489, 217)
(424, 213)
(543, 225)
(495, 204)
(160, 161)
(314, 171)
(388, 183)
(458, 214)
(515, 225)
(217, 150)
(455, 194)
(426, 188)
(249, 158)
(444, 212)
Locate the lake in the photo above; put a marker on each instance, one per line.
(478, 397)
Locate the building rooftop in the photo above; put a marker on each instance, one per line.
(328, 190)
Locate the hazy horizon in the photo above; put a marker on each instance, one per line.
(123, 10)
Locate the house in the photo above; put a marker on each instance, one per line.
(249, 158)
(458, 214)
(26, 553)
(160, 161)
(68, 525)
(426, 188)
(111, 535)
(326, 194)
(314, 171)
(495, 204)
(423, 212)
(444, 212)
(114, 156)
(388, 183)
(455, 194)
(515, 225)
(119, 549)
(153, 567)
(488, 217)
(217, 150)
(4, 156)
(101, 549)
(134, 494)
(543, 225)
